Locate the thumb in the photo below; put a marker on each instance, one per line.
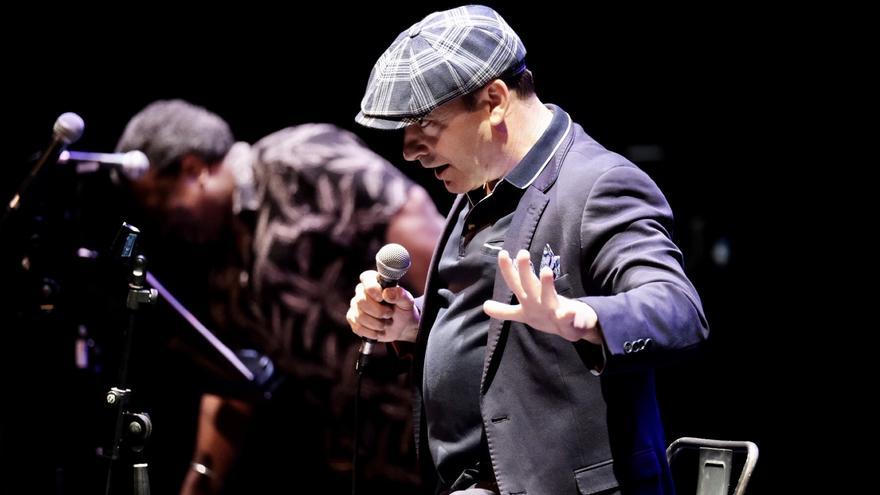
(399, 297)
(501, 311)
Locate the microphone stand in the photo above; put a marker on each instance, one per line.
(67, 129)
(131, 429)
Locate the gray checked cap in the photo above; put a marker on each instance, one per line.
(445, 55)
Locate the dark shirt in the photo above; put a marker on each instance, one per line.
(456, 345)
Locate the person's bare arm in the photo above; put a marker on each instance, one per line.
(417, 227)
(222, 428)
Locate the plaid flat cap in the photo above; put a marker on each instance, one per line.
(445, 55)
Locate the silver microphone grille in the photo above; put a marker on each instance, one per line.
(135, 164)
(392, 261)
(68, 127)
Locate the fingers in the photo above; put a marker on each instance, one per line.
(511, 277)
(366, 316)
(399, 297)
(530, 284)
(520, 276)
(380, 314)
(548, 290)
(370, 281)
(501, 311)
(578, 320)
(369, 334)
(365, 325)
(369, 306)
(528, 314)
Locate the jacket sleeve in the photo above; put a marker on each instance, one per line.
(634, 273)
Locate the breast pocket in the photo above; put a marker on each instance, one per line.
(562, 284)
(492, 248)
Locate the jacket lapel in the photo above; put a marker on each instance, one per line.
(520, 233)
(519, 236)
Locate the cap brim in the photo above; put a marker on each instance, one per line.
(379, 123)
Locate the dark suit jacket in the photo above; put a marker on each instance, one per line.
(552, 425)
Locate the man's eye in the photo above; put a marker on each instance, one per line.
(424, 123)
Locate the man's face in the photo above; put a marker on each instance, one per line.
(194, 205)
(454, 142)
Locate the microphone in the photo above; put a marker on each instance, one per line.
(68, 129)
(392, 262)
(134, 163)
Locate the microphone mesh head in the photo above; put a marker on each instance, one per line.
(392, 261)
(135, 164)
(68, 127)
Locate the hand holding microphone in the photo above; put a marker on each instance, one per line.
(380, 311)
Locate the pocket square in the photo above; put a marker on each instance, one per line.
(550, 260)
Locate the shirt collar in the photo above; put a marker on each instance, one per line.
(531, 165)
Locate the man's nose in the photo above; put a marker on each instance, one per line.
(413, 146)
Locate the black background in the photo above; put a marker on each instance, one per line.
(712, 90)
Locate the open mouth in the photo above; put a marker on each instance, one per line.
(439, 170)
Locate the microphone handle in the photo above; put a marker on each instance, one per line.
(366, 349)
(56, 146)
(364, 353)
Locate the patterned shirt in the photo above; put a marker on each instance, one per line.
(324, 204)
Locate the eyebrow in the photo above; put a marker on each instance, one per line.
(430, 115)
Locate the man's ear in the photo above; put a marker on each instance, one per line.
(498, 95)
